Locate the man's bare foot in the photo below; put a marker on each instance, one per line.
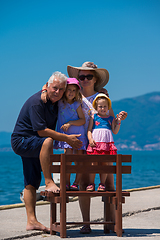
(52, 187)
(37, 226)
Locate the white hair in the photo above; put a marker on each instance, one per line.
(61, 77)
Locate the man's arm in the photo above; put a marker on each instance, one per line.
(72, 140)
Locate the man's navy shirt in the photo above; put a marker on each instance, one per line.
(36, 115)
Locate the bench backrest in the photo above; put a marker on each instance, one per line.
(117, 168)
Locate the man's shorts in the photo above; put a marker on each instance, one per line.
(29, 149)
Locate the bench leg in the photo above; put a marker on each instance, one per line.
(106, 216)
(109, 215)
(63, 233)
(52, 217)
(118, 220)
(118, 226)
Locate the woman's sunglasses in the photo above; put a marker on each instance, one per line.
(89, 77)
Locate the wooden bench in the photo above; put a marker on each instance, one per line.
(116, 197)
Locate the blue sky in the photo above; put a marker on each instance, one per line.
(40, 37)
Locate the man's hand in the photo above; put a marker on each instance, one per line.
(73, 141)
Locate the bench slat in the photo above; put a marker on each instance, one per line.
(89, 169)
(90, 158)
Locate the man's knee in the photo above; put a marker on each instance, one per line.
(27, 146)
(30, 187)
(48, 144)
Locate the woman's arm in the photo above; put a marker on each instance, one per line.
(81, 121)
(111, 113)
(44, 94)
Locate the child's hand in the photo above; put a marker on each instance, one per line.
(123, 115)
(44, 97)
(118, 119)
(65, 127)
(92, 143)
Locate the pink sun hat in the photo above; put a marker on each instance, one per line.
(73, 81)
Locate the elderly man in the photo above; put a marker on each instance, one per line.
(32, 139)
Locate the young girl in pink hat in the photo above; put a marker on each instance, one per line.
(71, 120)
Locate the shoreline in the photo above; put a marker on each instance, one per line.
(20, 205)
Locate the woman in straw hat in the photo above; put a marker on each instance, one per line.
(92, 80)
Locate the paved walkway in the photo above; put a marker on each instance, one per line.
(141, 219)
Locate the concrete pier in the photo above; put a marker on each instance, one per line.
(141, 218)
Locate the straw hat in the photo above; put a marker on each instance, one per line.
(101, 72)
(99, 96)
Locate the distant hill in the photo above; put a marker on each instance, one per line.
(140, 130)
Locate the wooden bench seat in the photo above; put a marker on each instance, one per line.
(116, 197)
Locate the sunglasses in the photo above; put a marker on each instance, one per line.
(89, 77)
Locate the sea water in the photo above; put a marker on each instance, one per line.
(145, 172)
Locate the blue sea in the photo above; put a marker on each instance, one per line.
(145, 172)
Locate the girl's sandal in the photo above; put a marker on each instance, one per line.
(85, 229)
(74, 187)
(101, 188)
(67, 187)
(91, 187)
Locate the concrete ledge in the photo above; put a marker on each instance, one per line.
(19, 205)
(141, 218)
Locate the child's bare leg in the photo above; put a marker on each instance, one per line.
(110, 180)
(68, 151)
(92, 176)
(91, 186)
(103, 176)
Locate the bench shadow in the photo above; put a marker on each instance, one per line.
(128, 232)
(132, 232)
